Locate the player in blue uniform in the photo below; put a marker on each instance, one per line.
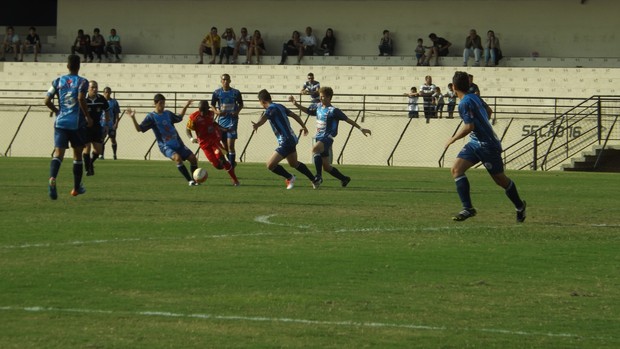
(278, 115)
(70, 124)
(327, 119)
(226, 103)
(483, 146)
(162, 121)
(110, 127)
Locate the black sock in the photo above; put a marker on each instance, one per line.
(301, 167)
(55, 167)
(78, 169)
(279, 170)
(184, 172)
(334, 172)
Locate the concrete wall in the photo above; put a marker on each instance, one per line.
(554, 28)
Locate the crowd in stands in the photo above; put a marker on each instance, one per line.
(227, 47)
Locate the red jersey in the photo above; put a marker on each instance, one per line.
(207, 130)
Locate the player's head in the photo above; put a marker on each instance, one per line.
(160, 102)
(225, 78)
(73, 63)
(326, 93)
(204, 107)
(107, 92)
(264, 96)
(460, 81)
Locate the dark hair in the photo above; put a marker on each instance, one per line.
(460, 81)
(432, 35)
(73, 62)
(264, 95)
(311, 74)
(158, 98)
(327, 91)
(203, 106)
(386, 31)
(96, 30)
(107, 89)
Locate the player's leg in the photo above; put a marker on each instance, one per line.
(511, 192)
(317, 159)
(273, 165)
(78, 171)
(86, 156)
(60, 144)
(299, 166)
(217, 158)
(178, 159)
(97, 150)
(465, 160)
(113, 140)
(193, 162)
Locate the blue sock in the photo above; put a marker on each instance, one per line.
(318, 164)
(55, 167)
(78, 171)
(231, 158)
(513, 195)
(279, 170)
(184, 172)
(462, 188)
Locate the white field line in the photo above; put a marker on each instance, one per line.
(286, 320)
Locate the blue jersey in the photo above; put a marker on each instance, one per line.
(472, 110)
(277, 114)
(67, 89)
(327, 119)
(228, 102)
(114, 111)
(163, 127)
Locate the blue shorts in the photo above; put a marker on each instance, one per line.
(62, 137)
(327, 143)
(183, 151)
(230, 132)
(491, 158)
(286, 149)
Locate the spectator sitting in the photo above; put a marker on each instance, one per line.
(257, 48)
(419, 51)
(228, 50)
(292, 47)
(473, 43)
(11, 43)
(328, 44)
(242, 44)
(210, 45)
(439, 49)
(492, 49)
(386, 47)
(309, 43)
(81, 44)
(114, 45)
(32, 41)
(97, 45)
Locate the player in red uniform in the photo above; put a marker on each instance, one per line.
(209, 138)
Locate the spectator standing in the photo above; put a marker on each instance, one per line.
(311, 87)
(210, 45)
(257, 48)
(242, 44)
(97, 45)
(412, 103)
(492, 50)
(114, 45)
(226, 103)
(32, 41)
(81, 44)
(70, 124)
(170, 144)
(386, 46)
(328, 44)
(110, 127)
(473, 88)
(292, 47)
(438, 101)
(230, 41)
(440, 48)
(419, 51)
(426, 92)
(278, 115)
(483, 146)
(451, 96)
(11, 43)
(473, 44)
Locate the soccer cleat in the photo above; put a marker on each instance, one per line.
(316, 183)
(521, 213)
(464, 214)
(52, 188)
(236, 183)
(79, 191)
(193, 183)
(290, 183)
(345, 181)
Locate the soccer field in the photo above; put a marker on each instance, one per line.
(144, 261)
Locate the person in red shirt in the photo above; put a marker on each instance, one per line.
(208, 137)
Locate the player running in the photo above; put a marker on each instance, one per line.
(209, 138)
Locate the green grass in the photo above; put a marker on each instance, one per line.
(144, 261)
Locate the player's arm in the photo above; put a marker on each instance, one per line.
(84, 108)
(462, 132)
(49, 102)
(214, 108)
(299, 121)
(189, 102)
(260, 122)
(352, 122)
(132, 114)
(298, 105)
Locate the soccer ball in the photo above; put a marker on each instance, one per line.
(200, 175)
